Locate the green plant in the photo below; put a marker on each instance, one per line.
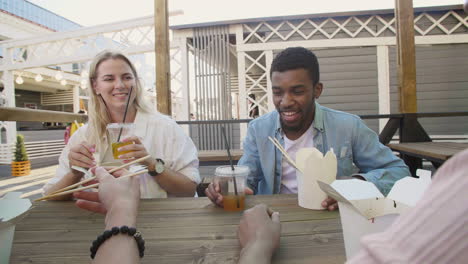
(20, 150)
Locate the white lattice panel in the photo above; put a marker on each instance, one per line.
(256, 80)
(428, 23)
(131, 37)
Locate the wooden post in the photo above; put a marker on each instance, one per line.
(163, 70)
(406, 58)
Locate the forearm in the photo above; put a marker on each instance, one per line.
(176, 183)
(66, 180)
(255, 253)
(120, 248)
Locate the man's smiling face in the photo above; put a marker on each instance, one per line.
(294, 97)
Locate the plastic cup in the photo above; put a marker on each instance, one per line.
(232, 185)
(113, 130)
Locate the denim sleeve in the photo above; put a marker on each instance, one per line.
(251, 159)
(375, 161)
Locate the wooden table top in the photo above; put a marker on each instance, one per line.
(178, 230)
(437, 151)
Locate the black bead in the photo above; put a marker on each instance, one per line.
(115, 230)
(100, 239)
(131, 231)
(107, 234)
(124, 229)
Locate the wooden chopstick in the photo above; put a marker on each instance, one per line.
(85, 187)
(94, 177)
(285, 154)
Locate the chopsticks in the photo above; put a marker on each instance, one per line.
(285, 154)
(85, 187)
(94, 177)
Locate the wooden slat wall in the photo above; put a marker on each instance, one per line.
(58, 98)
(349, 77)
(442, 85)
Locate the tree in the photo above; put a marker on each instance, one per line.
(20, 151)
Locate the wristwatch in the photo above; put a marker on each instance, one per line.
(158, 168)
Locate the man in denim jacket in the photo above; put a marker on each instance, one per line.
(299, 121)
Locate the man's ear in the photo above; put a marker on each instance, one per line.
(318, 90)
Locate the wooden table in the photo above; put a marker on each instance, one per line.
(178, 230)
(437, 152)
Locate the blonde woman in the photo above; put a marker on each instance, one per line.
(173, 168)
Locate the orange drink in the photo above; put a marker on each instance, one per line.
(231, 185)
(117, 145)
(234, 203)
(116, 133)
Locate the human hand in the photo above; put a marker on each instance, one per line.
(330, 204)
(115, 193)
(136, 150)
(81, 155)
(213, 193)
(259, 231)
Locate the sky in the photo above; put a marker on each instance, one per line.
(97, 12)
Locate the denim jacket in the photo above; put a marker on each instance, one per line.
(355, 145)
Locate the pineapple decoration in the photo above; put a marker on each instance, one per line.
(21, 166)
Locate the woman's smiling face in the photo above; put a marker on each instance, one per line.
(113, 82)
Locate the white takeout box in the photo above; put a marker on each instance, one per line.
(364, 210)
(12, 209)
(315, 167)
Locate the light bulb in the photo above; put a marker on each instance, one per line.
(19, 80)
(59, 76)
(63, 82)
(84, 74)
(38, 78)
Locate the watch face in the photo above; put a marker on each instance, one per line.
(159, 167)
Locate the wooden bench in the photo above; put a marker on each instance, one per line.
(218, 157)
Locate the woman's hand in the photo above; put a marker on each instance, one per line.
(137, 150)
(81, 155)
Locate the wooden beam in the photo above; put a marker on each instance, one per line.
(163, 71)
(406, 58)
(26, 114)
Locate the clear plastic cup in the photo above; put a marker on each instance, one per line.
(113, 130)
(232, 185)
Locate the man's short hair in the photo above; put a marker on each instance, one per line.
(297, 58)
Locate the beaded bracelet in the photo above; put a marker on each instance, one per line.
(131, 231)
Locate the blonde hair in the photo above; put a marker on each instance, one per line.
(98, 116)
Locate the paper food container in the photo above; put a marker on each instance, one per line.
(315, 167)
(12, 209)
(364, 210)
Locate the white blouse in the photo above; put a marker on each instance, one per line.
(162, 137)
